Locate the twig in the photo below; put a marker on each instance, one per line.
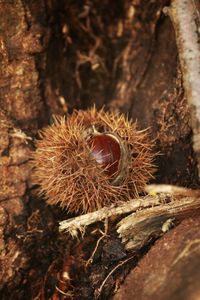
(171, 189)
(98, 293)
(70, 295)
(159, 195)
(79, 223)
(185, 19)
(152, 216)
(104, 234)
(139, 228)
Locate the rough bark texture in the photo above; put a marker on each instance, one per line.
(20, 44)
(175, 259)
(57, 56)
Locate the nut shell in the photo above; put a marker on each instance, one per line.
(106, 151)
(70, 176)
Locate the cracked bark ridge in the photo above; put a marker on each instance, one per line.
(20, 43)
(14, 151)
(27, 231)
(165, 272)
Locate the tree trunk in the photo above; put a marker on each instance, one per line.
(57, 56)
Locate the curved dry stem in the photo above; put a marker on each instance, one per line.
(186, 22)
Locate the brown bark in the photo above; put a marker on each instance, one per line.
(57, 56)
(174, 259)
(20, 44)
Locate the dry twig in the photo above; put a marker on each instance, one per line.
(139, 228)
(79, 223)
(153, 189)
(186, 22)
(98, 292)
(103, 235)
(152, 216)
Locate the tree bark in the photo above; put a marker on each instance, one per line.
(57, 56)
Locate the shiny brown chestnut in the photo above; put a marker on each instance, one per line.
(105, 149)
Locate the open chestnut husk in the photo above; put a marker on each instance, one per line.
(91, 159)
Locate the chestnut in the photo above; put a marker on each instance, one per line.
(91, 159)
(106, 151)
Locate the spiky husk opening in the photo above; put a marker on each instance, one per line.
(69, 176)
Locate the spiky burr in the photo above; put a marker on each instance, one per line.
(92, 159)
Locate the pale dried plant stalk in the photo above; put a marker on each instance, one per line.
(79, 223)
(171, 189)
(151, 216)
(139, 228)
(186, 22)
